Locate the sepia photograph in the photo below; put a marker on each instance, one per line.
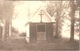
(39, 25)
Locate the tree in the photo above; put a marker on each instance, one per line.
(78, 6)
(7, 12)
(1, 3)
(58, 16)
(72, 15)
(55, 8)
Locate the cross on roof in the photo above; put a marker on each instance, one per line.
(41, 15)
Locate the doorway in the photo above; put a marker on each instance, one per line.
(41, 32)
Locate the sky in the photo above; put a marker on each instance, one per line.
(20, 16)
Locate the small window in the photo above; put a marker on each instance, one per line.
(41, 28)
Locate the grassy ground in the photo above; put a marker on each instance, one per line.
(16, 44)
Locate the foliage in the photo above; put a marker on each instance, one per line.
(7, 10)
(58, 9)
(64, 11)
(1, 3)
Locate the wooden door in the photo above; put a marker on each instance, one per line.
(41, 32)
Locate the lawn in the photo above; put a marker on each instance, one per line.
(56, 44)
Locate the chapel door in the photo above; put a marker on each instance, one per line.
(41, 32)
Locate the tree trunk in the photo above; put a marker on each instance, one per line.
(57, 34)
(79, 21)
(72, 15)
(3, 31)
(58, 16)
(72, 28)
(10, 29)
(6, 29)
(7, 15)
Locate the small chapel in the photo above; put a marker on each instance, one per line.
(40, 27)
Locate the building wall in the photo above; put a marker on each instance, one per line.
(49, 32)
(27, 33)
(27, 30)
(33, 33)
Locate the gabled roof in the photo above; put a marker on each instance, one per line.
(45, 13)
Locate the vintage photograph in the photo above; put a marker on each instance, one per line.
(39, 25)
